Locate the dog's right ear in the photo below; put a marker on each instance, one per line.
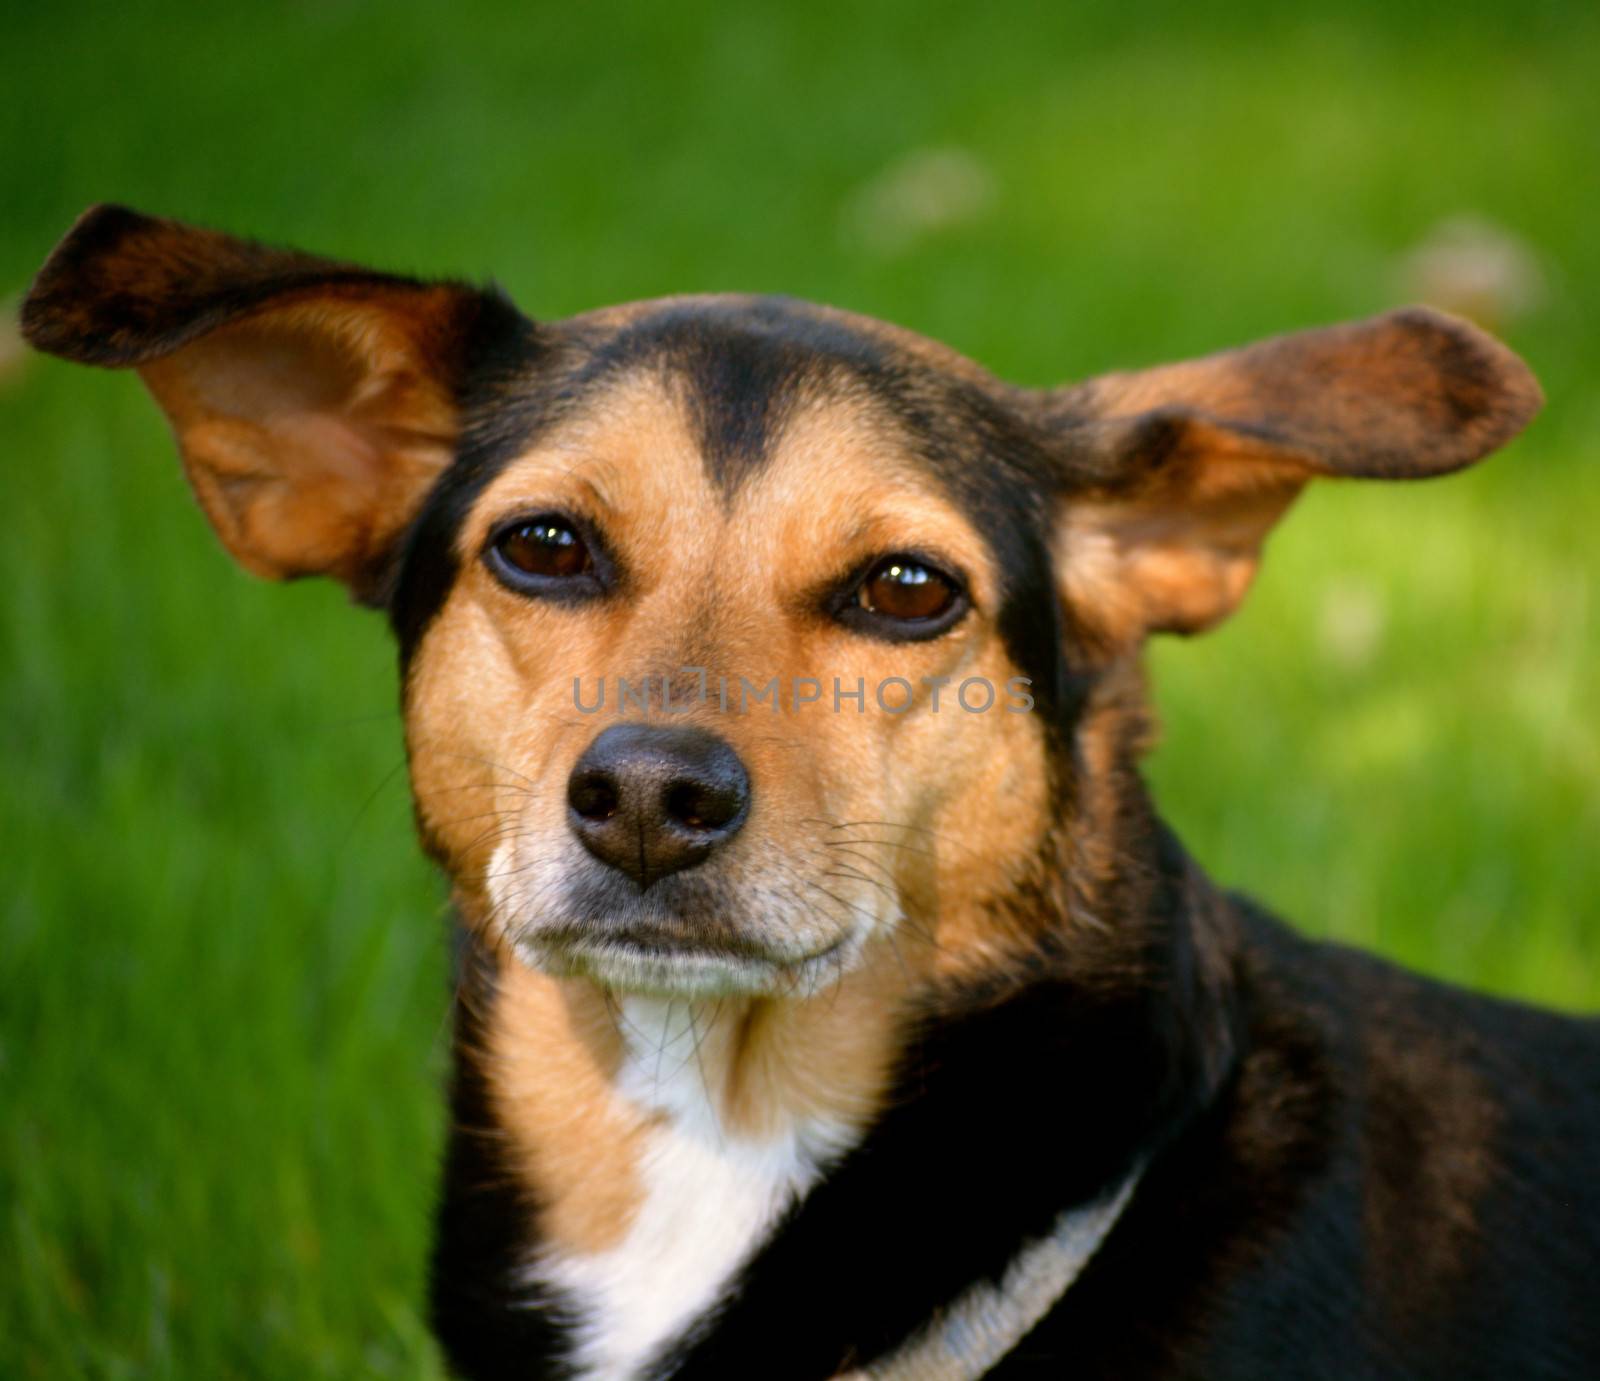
(314, 403)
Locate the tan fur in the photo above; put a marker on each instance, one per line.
(1136, 566)
(827, 1057)
(309, 433)
(552, 1050)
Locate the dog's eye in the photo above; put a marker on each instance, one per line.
(902, 588)
(546, 546)
(540, 554)
(905, 598)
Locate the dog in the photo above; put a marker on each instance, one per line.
(811, 1025)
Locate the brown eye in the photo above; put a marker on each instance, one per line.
(540, 554)
(900, 587)
(545, 547)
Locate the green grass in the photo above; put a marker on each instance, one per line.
(222, 964)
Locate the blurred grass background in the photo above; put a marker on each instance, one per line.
(223, 996)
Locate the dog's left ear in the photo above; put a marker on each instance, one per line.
(1177, 473)
(314, 403)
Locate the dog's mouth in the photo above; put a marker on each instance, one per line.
(681, 938)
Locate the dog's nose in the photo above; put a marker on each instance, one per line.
(652, 800)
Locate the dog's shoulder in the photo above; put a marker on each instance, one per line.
(1393, 1183)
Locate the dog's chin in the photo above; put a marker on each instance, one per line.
(642, 964)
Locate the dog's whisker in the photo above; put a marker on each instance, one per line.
(844, 870)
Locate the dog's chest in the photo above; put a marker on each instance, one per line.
(709, 1199)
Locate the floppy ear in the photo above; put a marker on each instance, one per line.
(1177, 473)
(313, 403)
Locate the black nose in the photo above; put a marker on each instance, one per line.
(653, 800)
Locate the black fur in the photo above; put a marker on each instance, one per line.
(1251, 1249)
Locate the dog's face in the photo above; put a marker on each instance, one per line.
(739, 636)
(673, 717)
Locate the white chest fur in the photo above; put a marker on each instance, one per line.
(709, 1199)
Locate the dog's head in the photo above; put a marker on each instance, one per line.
(739, 635)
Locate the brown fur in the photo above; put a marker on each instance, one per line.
(336, 395)
(1434, 1166)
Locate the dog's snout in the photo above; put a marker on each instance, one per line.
(652, 800)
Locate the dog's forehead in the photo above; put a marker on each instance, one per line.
(729, 382)
(744, 367)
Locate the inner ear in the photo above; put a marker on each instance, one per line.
(1175, 556)
(1174, 476)
(310, 435)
